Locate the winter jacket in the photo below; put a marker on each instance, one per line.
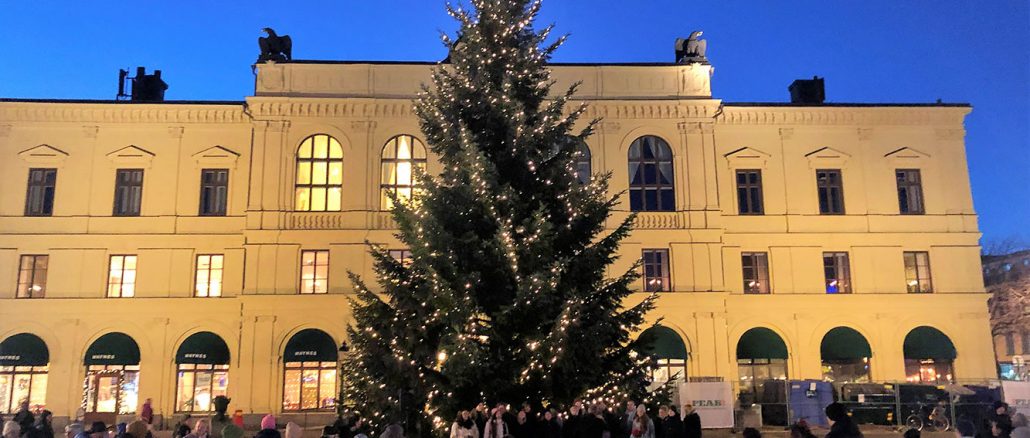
(593, 427)
(692, 425)
(496, 428)
(844, 429)
(460, 432)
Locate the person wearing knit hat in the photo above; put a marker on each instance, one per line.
(138, 429)
(293, 430)
(268, 428)
(841, 425)
(232, 431)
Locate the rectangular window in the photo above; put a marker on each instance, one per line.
(910, 191)
(656, 270)
(831, 191)
(198, 385)
(756, 272)
(401, 255)
(214, 191)
(1010, 344)
(39, 198)
(749, 192)
(837, 272)
(128, 192)
(209, 275)
(917, 272)
(309, 386)
(32, 276)
(121, 279)
(314, 272)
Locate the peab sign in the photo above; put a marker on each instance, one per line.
(712, 400)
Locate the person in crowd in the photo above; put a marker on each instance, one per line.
(750, 432)
(481, 417)
(691, 422)
(594, 424)
(549, 426)
(659, 423)
(964, 428)
(628, 415)
(912, 433)
(232, 431)
(464, 426)
(74, 429)
(44, 424)
(393, 431)
(121, 429)
(522, 427)
(672, 426)
(24, 417)
(268, 429)
(643, 426)
(237, 419)
(11, 429)
(1001, 429)
(293, 430)
(200, 430)
(497, 427)
(97, 430)
(147, 412)
(1020, 426)
(999, 413)
(138, 429)
(841, 425)
(181, 431)
(801, 430)
(572, 425)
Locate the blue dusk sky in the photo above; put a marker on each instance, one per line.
(868, 51)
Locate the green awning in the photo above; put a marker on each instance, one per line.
(761, 343)
(113, 349)
(928, 343)
(24, 349)
(311, 345)
(664, 342)
(844, 343)
(203, 348)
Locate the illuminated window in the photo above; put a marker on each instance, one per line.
(756, 272)
(749, 192)
(656, 270)
(837, 272)
(917, 272)
(319, 181)
(669, 369)
(401, 255)
(112, 388)
(831, 191)
(651, 175)
(121, 279)
(198, 385)
(39, 199)
(309, 386)
(209, 275)
(583, 169)
(403, 157)
(24, 362)
(314, 272)
(32, 276)
(754, 373)
(128, 192)
(910, 191)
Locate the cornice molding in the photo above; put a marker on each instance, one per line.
(118, 113)
(841, 116)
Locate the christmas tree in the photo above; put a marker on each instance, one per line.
(506, 296)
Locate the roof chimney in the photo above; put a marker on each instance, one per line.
(145, 88)
(807, 91)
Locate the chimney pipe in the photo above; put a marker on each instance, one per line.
(808, 91)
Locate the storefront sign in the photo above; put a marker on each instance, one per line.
(712, 400)
(1017, 395)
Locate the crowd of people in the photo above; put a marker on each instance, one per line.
(630, 420)
(580, 421)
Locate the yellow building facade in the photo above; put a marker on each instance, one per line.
(161, 250)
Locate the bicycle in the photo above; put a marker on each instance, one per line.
(937, 420)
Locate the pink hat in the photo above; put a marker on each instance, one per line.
(268, 422)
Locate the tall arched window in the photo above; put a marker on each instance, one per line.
(650, 175)
(401, 156)
(583, 170)
(319, 184)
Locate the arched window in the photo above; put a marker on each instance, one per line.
(583, 169)
(112, 374)
(401, 156)
(202, 364)
(929, 356)
(845, 356)
(650, 175)
(319, 183)
(669, 352)
(24, 362)
(761, 357)
(309, 372)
